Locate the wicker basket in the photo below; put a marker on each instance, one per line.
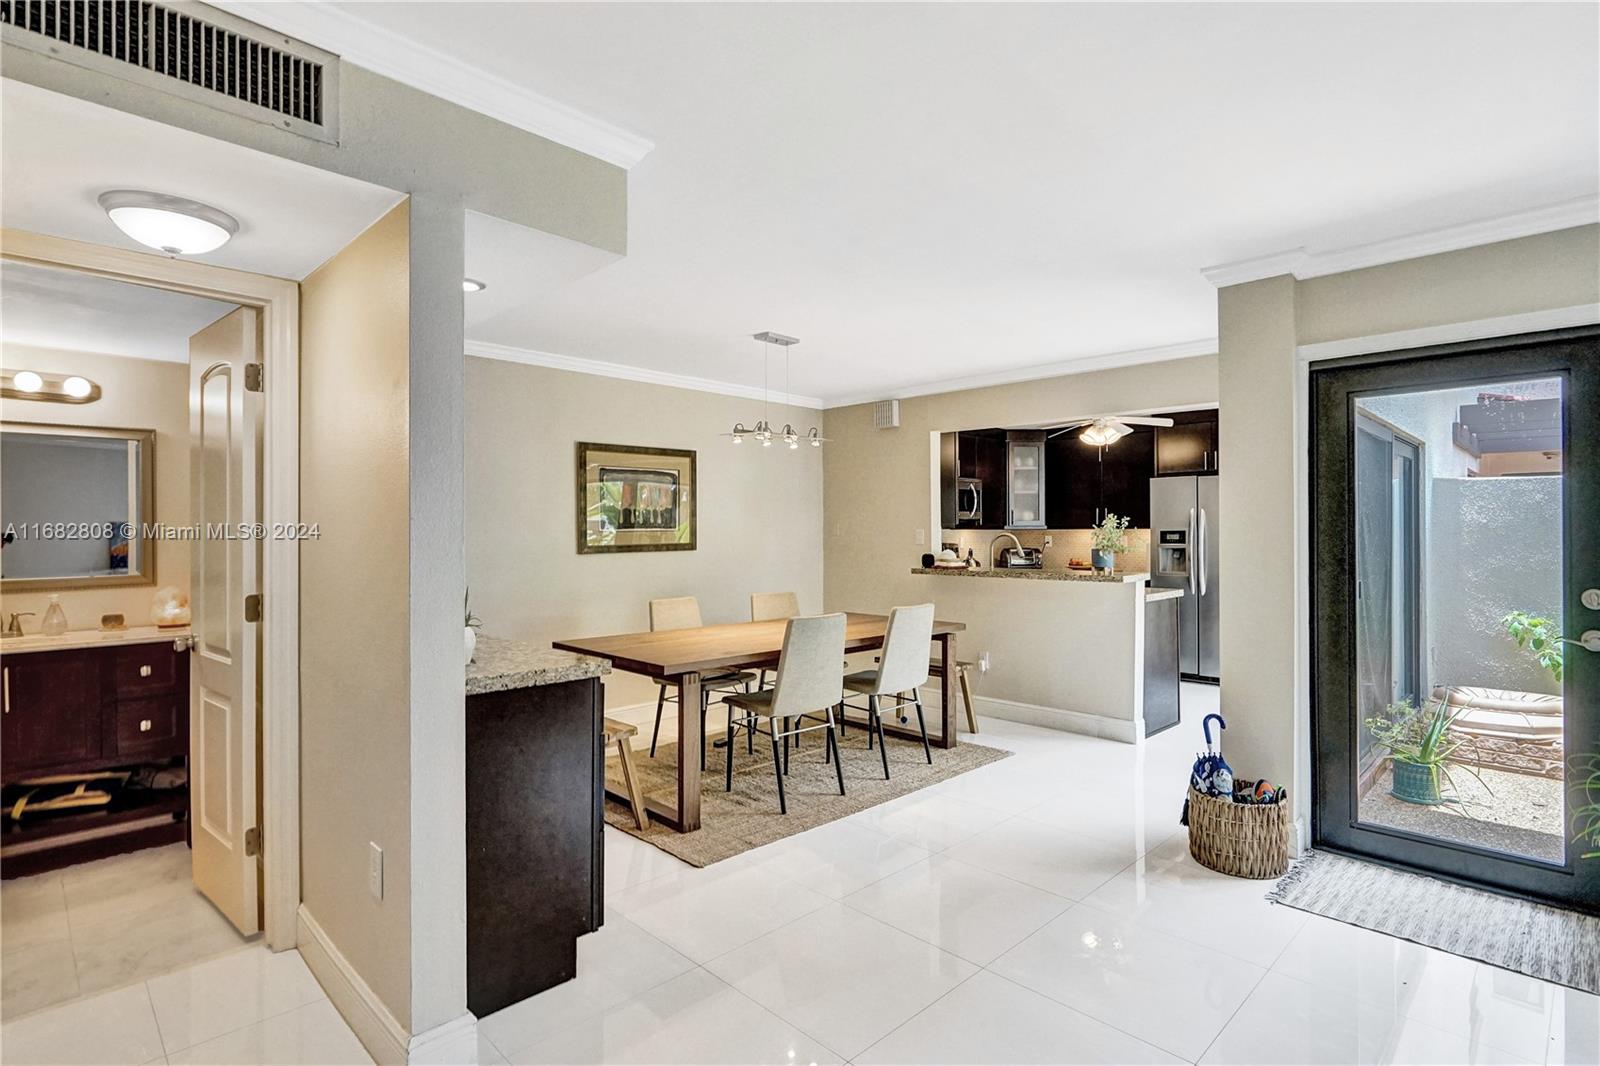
(1240, 839)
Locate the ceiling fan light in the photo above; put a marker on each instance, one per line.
(169, 224)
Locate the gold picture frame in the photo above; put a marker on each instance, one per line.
(635, 499)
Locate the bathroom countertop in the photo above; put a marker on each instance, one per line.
(499, 665)
(91, 638)
(1035, 575)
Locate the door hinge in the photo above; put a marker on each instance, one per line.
(252, 607)
(252, 840)
(252, 377)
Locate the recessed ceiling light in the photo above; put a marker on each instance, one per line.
(169, 224)
(76, 387)
(472, 285)
(27, 381)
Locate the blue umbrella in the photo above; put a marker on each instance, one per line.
(1211, 776)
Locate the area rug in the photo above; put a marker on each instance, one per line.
(734, 822)
(1546, 942)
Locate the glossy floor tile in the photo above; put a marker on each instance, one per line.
(103, 925)
(1036, 911)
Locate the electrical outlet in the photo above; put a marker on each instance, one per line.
(375, 870)
(1049, 541)
(983, 663)
(922, 537)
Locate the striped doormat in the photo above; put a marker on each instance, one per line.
(1541, 941)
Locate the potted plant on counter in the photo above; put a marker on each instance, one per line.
(1110, 540)
(1421, 746)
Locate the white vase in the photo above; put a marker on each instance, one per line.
(472, 643)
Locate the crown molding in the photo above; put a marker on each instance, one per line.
(1038, 372)
(1453, 332)
(385, 52)
(599, 368)
(1304, 263)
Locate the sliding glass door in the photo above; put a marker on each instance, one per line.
(1456, 528)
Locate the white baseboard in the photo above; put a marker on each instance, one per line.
(1123, 730)
(379, 1031)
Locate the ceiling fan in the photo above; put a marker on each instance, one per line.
(1105, 430)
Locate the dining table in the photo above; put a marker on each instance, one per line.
(689, 656)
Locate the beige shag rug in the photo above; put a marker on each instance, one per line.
(734, 822)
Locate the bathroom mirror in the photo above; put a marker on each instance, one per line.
(76, 506)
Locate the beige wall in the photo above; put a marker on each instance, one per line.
(880, 490)
(136, 394)
(1266, 676)
(760, 511)
(354, 603)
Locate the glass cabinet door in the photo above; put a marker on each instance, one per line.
(1025, 483)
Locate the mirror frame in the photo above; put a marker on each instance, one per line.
(147, 508)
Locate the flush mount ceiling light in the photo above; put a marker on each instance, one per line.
(169, 224)
(472, 285)
(48, 388)
(1106, 430)
(763, 431)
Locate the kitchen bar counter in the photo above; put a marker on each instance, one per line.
(1035, 575)
(500, 665)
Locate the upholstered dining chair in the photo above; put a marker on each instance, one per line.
(683, 612)
(769, 607)
(809, 684)
(902, 668)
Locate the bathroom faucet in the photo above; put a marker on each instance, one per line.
(14, 623)
(996, 540)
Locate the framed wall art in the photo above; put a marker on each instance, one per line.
(634, 499)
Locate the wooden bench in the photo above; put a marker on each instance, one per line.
(619, 733)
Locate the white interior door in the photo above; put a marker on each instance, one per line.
(223, 479)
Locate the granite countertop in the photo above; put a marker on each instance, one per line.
(1035, 575)
(499, 665)
(92, 638)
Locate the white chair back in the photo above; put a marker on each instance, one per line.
(811, 668)
(904, 663)
(676, 612)
(770, 606)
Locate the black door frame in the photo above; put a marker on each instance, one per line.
(1573, 355)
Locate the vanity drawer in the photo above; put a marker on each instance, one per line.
(145, 668)
(152, 727)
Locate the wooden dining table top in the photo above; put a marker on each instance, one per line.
(670, 652)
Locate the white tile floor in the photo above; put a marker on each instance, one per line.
(1041, 909)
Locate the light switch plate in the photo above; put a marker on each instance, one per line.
(922, 537)
(375, 870)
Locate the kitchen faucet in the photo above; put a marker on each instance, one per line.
(996, 540)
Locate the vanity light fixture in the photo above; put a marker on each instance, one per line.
(169, 224)
(763, 431)
(472, 285)
(48, 388)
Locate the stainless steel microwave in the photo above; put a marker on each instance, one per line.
(969, 499)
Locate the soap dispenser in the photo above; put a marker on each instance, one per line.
(55, 619)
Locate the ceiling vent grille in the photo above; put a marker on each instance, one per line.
(218, 60)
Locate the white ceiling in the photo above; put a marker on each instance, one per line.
(51, 308)
(921, 192)
(59, 153)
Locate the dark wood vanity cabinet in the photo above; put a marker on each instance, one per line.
(84, 710)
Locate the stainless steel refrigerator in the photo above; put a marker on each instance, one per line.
(1184, 534)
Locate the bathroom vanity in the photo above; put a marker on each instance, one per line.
(86, 702)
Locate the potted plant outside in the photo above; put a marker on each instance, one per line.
(1585, 778)
(1421, 746)
(1110, 540)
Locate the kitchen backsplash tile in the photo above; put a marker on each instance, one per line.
(1066, 544)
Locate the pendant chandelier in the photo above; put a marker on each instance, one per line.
(763, 430)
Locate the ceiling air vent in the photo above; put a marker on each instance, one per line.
(189, 50)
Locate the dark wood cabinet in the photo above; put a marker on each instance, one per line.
(86, 710)
(1189, 446)
(977, 455)
(535, 854)
(1087, 483)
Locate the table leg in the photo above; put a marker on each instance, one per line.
(947, 687)
(688, 753)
